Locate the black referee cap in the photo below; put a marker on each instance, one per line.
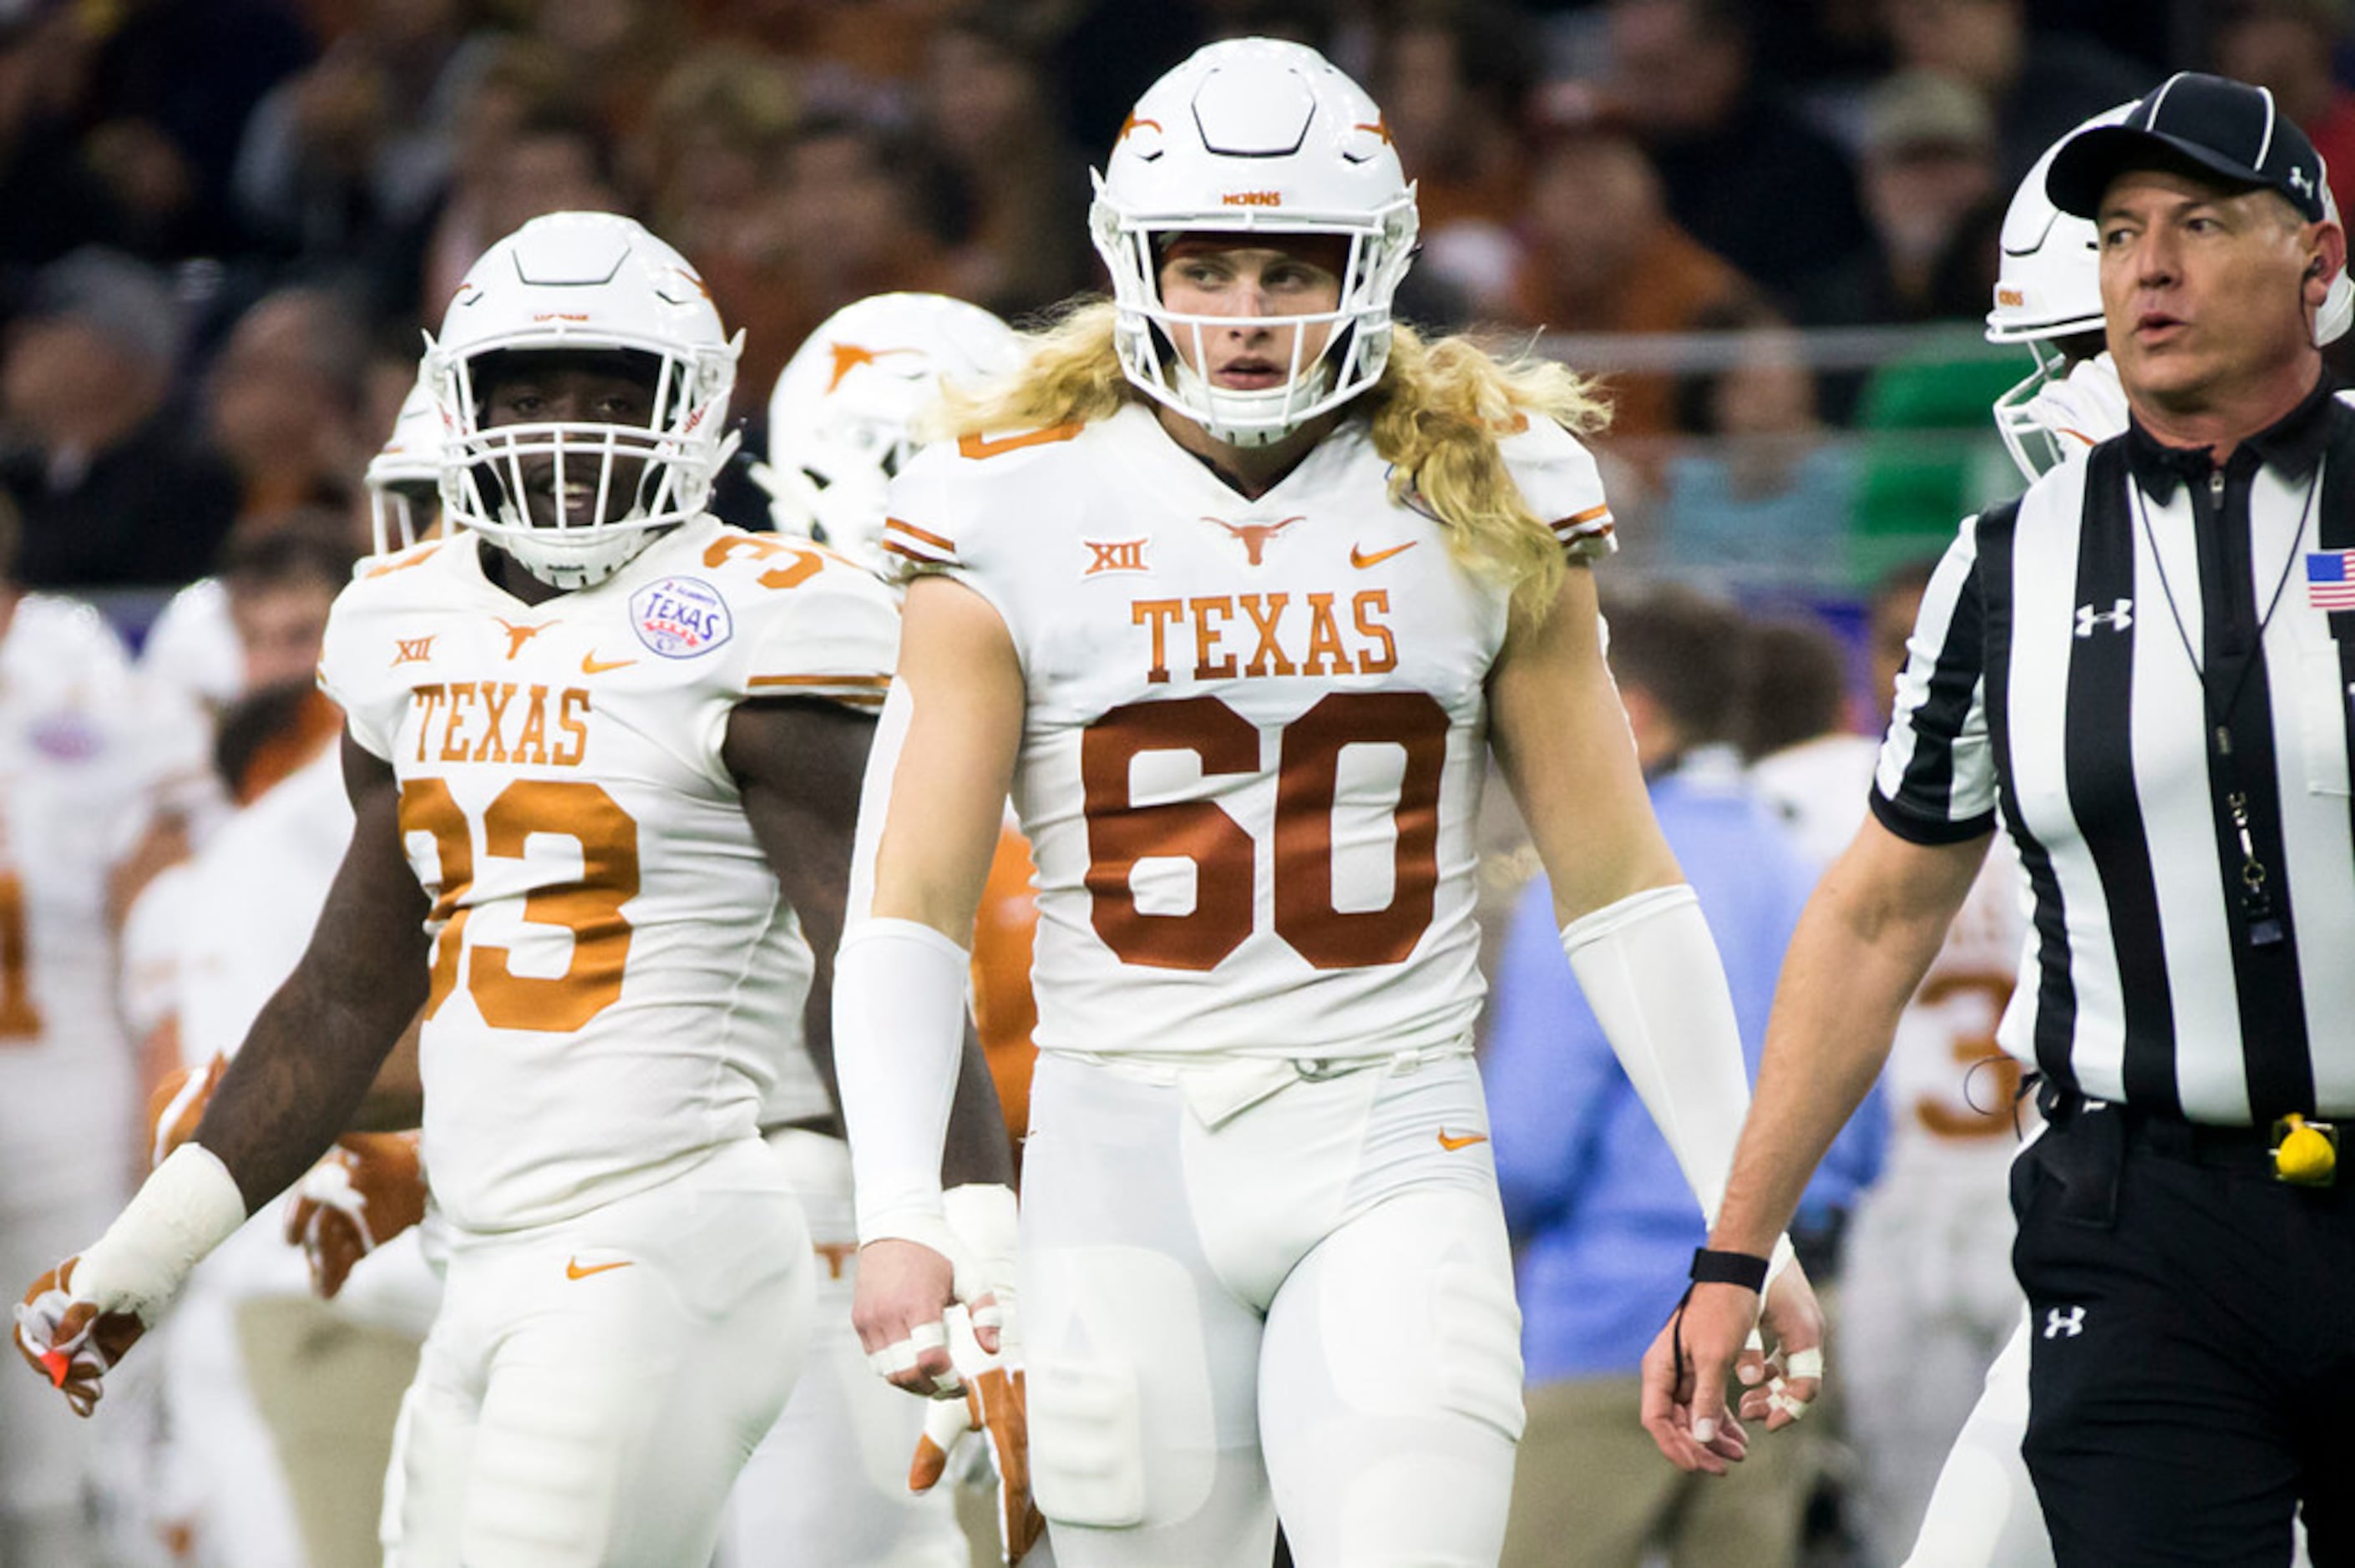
(2227, 128)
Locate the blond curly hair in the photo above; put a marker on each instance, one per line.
(1436, 415)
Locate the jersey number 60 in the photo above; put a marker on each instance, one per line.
(1307, 777)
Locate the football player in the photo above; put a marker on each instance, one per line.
(831, 1481)
(1231, 586)
(602, 753)
(404, 478)
(74, 787)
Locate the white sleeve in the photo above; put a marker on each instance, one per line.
(899, 1032)
(1651, 972)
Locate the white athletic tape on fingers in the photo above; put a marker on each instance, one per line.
(1778, 1400)
(901, 1355)
(992, 1316)
(893, 1358)
(1808, 1363)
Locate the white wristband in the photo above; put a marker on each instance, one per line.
(190, 1205)
(898, 1040)
(1651, 972)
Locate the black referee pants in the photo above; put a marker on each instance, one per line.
(2193, 1369)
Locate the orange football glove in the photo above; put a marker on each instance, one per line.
(363, 1192)
(178, 1104)
(993, 1420)
(69, 1340)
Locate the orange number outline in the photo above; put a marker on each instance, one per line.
(1941, 1115)
(589, 906)
(808, 561)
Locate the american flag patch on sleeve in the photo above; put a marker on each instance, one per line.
(2330, 579)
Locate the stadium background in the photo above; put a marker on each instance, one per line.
(1659, 191)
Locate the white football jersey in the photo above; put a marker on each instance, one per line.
(1254, 742)
(74, 769)
(615, 976)
(256, 889)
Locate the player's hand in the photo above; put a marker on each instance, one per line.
(1779, 1385)
(904, 1292)
(985, 1436)
(70, 1339)
(177, 1105)
(363, 1192)
(1685, 1374)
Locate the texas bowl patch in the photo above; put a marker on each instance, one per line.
(679, 618)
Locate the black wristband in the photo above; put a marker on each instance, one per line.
(1746, 1269)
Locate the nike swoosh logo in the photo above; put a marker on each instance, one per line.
(1465, 1140)
(1360, 560)
(592, 665)
(573, 1269)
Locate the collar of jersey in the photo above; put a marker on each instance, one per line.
(634, 570)
(2291, 445)
(1305, 473)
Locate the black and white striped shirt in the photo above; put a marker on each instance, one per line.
(2052, 680)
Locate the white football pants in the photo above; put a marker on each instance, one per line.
(592, 1387)
(1304, 1306)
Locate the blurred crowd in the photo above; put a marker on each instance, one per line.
(230, 219)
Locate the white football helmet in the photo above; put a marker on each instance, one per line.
(2049, 287)
(841, 417)
(1254, 136)
(588, 281)
(405, 472)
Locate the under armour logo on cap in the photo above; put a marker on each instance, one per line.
(2223, 128)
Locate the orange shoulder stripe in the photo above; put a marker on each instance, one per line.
(864, 683)
(977, 446)
(892, 524)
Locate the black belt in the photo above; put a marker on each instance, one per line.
(2248, 1150)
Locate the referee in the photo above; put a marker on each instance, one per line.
(2142, 671)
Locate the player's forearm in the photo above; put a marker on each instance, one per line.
(899, 1016)
(1846, 979)
(297, 1082)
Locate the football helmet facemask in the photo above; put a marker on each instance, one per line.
(842, 414)
(1254, 137)
(593, 283)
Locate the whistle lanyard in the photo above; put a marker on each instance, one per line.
(2261, 921)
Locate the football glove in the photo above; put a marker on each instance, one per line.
(984, 1437)
(363, 1192)
(83, 1316)
(177, 1105)
(70, 1339)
